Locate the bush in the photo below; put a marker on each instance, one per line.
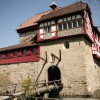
(28, 87)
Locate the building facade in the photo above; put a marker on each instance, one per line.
(59, 44)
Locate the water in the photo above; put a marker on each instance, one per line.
(79, 99)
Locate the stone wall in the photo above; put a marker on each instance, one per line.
(79, 71)
(26, 37)
(71, 65)
(92, 69)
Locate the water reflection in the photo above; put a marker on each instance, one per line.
(78, 99)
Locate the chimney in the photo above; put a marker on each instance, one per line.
(53, 6)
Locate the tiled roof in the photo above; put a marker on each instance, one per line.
(18, 46)
(32, 20)
(76, 7)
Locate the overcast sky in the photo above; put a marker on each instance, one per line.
(15, 12)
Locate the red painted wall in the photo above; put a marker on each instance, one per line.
(31, 58)
(20, 58)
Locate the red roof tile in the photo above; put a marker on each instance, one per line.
(32, 21)
(76, 7)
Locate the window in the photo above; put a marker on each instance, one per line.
(0, 56)
(60, 26)
(8, 55)
(15, 53)
(68, 18)
(69, 25)
(79, 22)
(64, 26)
(66, 44)
(74, 24)
(34, 50)
(49, 29)
(45, 30)
(24, 52)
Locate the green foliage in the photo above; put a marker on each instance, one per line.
(28, 87)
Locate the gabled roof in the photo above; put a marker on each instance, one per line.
(32, 20)
(76, 7)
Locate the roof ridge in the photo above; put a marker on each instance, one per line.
(78, 6)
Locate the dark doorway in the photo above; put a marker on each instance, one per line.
(54, 73)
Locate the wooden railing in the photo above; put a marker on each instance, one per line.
(43, 86)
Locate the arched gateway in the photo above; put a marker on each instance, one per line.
(54, 73)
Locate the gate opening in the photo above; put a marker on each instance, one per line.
(54, 74)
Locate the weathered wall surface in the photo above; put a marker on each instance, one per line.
(12, 75)
(92, 68)
(79, 72)
(71, 65)
(26, 37)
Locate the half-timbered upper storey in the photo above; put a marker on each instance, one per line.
(66, 21)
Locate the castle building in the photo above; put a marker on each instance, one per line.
(59, 44)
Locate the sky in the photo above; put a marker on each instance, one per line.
(15, 12)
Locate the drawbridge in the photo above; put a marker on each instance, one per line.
(44, 87)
